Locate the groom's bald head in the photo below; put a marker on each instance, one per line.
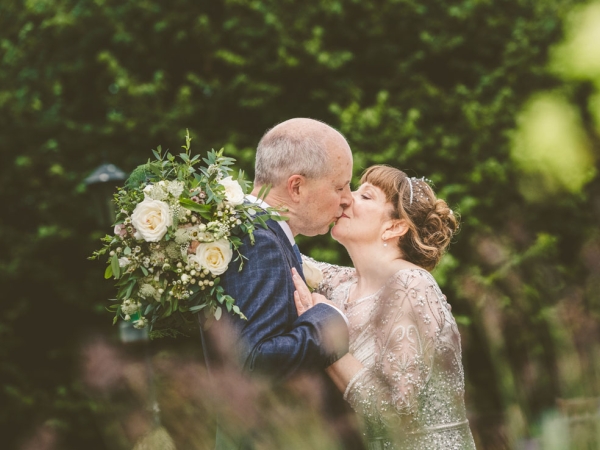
(297, 146)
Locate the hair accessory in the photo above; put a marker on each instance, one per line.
(418, 189)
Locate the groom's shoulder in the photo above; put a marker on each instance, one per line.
(263, 253)
(264, 239)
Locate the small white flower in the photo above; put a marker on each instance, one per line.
(128, 307)
(156, 191)
(147, 290)
(234, 194)
(141, 323)
(175, 188)
(124, 262)
(183, 235)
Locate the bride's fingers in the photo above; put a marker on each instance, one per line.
(298, 281)
(302, 294)
(301, 286)
(300, 309)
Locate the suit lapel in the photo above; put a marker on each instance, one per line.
(286, 246)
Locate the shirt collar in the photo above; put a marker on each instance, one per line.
(282, 223)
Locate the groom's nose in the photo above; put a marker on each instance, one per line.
(346, 199)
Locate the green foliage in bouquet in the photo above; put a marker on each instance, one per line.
(179, 224)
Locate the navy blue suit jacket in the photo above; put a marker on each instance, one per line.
(274, 340)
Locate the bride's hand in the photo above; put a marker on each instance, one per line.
(303, 298)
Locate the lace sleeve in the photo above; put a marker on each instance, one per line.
(406, 318)
(333, 276)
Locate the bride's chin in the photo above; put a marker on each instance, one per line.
(336, 235)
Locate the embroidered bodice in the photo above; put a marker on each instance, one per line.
(410, 391)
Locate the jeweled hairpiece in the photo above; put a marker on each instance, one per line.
(420, 192)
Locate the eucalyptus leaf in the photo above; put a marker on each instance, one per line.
(193, 206)
(116, 269)
(108, 272)
(197, 308)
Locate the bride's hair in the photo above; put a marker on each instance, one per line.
(431, 223)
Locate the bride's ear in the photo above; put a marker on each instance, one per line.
(295, 183)
(395, 229)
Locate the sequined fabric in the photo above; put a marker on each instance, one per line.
(410, 392)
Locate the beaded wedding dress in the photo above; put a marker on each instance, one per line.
(410, 392)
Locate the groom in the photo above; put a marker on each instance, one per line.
(309, 167)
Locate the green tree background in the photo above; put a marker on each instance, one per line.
(437, 88)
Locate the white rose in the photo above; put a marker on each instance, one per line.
(312, 273)
(151, 218)
(214, 256)
(233, 191)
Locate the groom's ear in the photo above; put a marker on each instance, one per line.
(295, 183)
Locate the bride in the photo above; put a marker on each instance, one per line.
(403, 374)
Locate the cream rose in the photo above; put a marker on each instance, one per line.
(312, 274)
(233, 191)
(214, 256)
(151, 218)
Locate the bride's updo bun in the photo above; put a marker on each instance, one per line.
(431, 223)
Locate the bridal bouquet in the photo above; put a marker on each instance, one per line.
(179, 224)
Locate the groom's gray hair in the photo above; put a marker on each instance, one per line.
(296, 146)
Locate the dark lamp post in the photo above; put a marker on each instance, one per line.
(103, 183)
